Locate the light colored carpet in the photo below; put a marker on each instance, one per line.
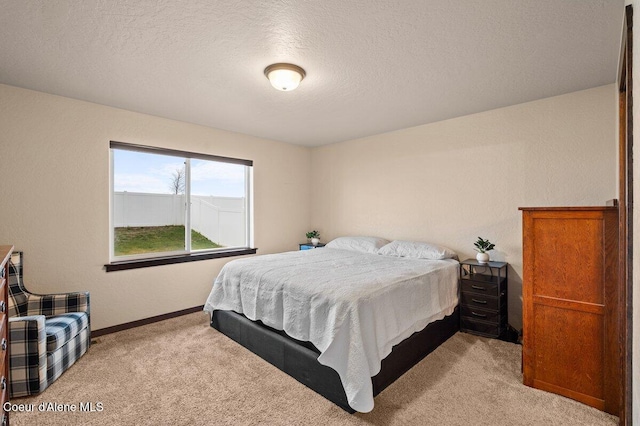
(183, 372)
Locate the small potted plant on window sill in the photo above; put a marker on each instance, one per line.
(314, 236)
(482, 247)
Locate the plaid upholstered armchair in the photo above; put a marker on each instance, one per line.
(48, 333)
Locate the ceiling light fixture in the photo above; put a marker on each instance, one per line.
(285, 77)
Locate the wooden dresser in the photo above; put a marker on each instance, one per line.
(5, 255)
(570, 303)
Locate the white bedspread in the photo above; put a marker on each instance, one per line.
(354, 307)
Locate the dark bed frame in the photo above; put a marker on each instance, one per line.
(300, 359)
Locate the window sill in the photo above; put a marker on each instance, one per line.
(170, 260)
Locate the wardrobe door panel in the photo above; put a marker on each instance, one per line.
(568, 259)
(562, 338)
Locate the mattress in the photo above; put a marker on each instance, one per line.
(354, 307)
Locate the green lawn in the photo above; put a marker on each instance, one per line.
(154, 239)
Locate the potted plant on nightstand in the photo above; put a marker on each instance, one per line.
(314, 236)
(482, 247)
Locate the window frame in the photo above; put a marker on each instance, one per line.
(117, 263)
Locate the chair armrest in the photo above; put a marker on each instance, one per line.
(57, 304)
(27, 329)
(28, 355)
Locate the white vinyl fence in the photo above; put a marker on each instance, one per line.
(220, 219)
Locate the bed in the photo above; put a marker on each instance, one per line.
(346, 323)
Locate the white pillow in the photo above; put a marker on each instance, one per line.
(417, 250)
(363, 244)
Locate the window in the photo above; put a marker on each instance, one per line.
(172, 206)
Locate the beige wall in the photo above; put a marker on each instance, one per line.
(55, 190)
(452, 181)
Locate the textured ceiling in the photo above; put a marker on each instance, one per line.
(372, 65)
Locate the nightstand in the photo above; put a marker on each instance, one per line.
(309, 246)
(483, 298)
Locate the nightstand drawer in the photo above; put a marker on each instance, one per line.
(479, 286)
(480, 327)
(480, 301)
(309, 246)
(480, 314)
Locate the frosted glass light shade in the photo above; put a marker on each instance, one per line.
(285, 77)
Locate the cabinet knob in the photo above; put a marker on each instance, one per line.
(477, 287)
(4, 344)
